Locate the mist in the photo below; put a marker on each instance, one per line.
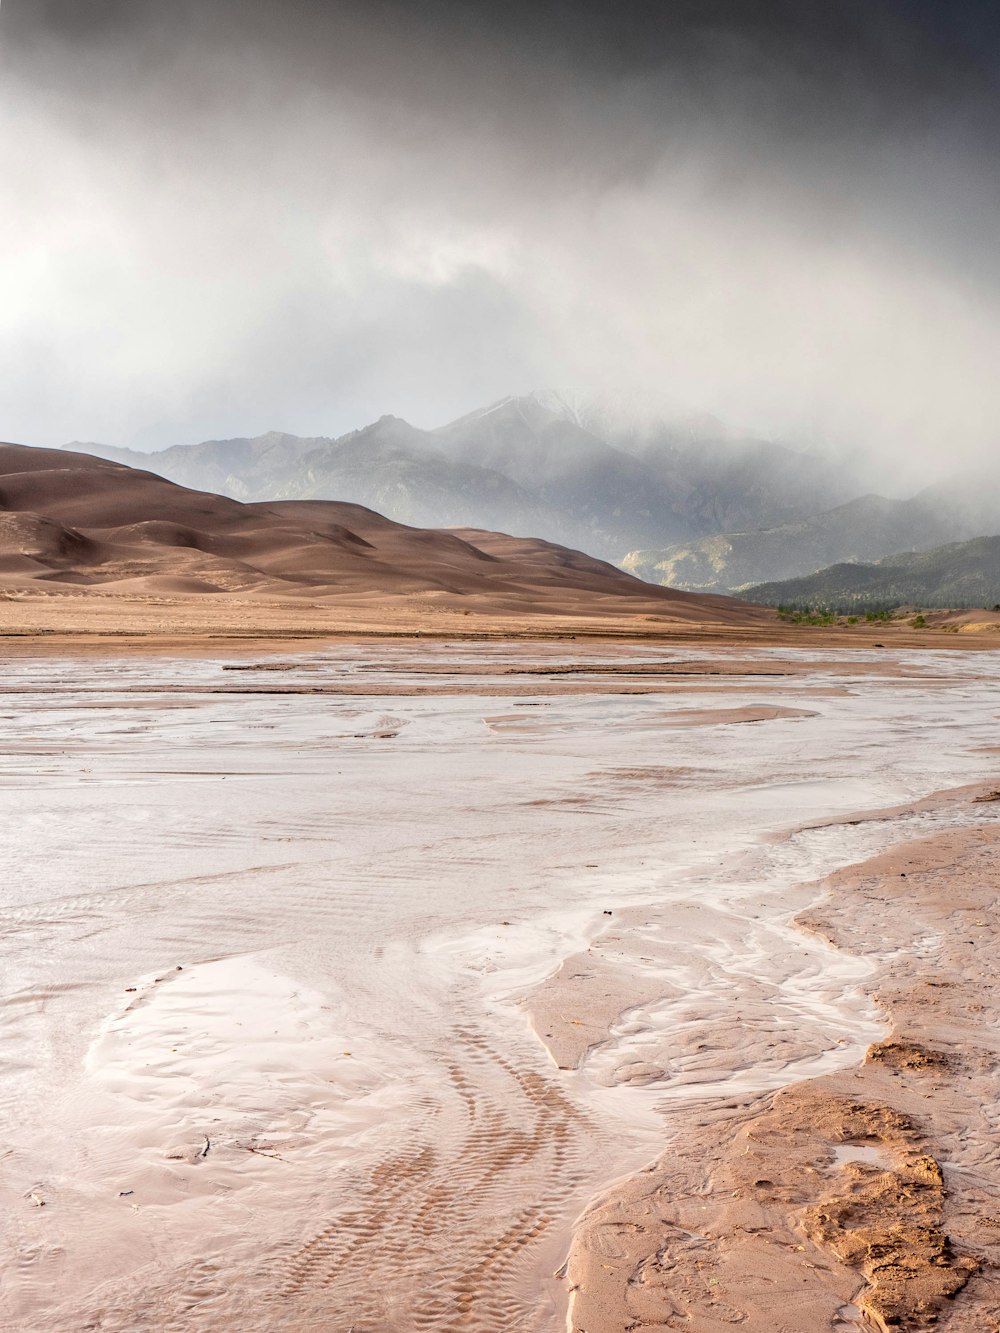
(219, 219)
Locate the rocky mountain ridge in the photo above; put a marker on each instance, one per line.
(686, 502)
(528, 466)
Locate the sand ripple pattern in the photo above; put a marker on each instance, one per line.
(440, 1234)
(447, 1231)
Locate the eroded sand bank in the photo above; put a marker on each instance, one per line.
(336, 1007)
(868, 1197)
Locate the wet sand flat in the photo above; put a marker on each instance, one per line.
(333, 1007)
(868, 1197)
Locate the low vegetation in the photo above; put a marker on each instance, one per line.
(794, 614)
(807, 616)
(833, 615)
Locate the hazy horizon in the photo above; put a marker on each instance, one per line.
(224, 219)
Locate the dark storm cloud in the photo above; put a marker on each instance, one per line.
(219, 217)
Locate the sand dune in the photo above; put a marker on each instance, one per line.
(71, 522)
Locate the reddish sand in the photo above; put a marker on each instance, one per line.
(865, 1198)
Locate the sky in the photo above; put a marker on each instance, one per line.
(224, 217)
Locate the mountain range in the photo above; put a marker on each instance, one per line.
(864, 529)
(685, 502)
(529, 466)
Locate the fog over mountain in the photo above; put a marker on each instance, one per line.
(866, 528)
(219, 217)
(528, 466)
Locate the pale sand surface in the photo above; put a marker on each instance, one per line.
(332, 1007)
(101, 620)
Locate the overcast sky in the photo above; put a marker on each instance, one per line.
(223, 217)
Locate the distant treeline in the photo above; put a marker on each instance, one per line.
(870, 605)
(802, 614)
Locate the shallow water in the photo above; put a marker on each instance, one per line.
(267, 1056)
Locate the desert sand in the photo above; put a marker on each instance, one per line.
(865, 1198)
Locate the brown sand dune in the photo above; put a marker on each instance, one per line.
(70, 522)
